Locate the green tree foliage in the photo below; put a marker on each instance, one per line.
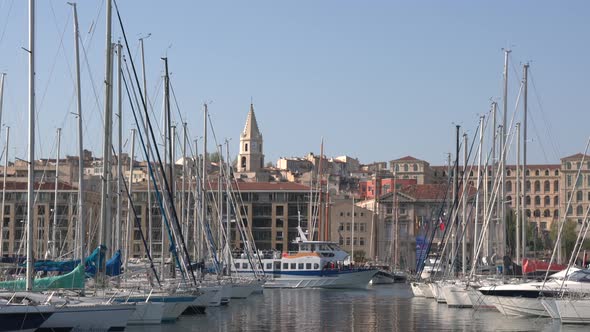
(568, 237)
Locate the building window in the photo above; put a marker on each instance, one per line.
(527, 200)
(546, 186)
(362, 241)
(555, 213)
(509, 200)
(556, 172)
(547, 200)
(527, 186)
(509, 186)
(546, 172)
(348, 226)
(537, 173)
(347, 241)
(569, 210)
(362, 226)
(341, 227)
(528, 213)
(341, 241)
(555, 185)
(543, 225)
(537, 186)
(342, 214)
(415, 168)
(569, 180)
(579, 196)
(508, 172)
(546, 213)
(405, 167)
(537, 213)
(527, 172)
(579, 210)
(537, 200)
(568, 165)
(246, 147)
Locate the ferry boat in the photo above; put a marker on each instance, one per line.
(316, 264)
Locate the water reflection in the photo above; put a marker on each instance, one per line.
(382, 308)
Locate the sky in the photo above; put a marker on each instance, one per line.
(377, 80)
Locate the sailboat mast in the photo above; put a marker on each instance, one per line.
(479, 177)
(1, 94)
(204, 187)
(183, 192)
(464, 208)
(517, 196)
(128, 237)
(524, 164)
(104, 234)
(54, 227)
(455, 224)
(81, 220)
(352, 240)
(228, 209)
(149, 180)
(31, 159)
(4, 187)
(504, 141)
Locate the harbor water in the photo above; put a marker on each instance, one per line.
(379, 308)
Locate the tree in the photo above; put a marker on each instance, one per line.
(214, 157)
(534, 238)
(568, 237)
(269, 164)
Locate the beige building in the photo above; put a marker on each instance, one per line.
(574, 187)
(411, 168)
(351, 227)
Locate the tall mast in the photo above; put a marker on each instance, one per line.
(321, 234)
(183, 194)
(517, 196)
(31, 159)
(54, 227)
(128, 237)
(492, 180)
(203, 186)
(479, 178)
(464, 208)
(104, 235)
(4, 188)
(455, 224)
(504, 141)
(352, 237)
(149, 180)
(228, 209)
(118, 221)
(81, 221)
(524, 141)
(395, 223)
(1, 94)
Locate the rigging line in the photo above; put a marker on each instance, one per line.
(168, 191)
(538, 138)
(6, 22)
(552, 141)
(154, 180)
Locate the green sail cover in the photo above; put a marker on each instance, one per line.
(71, 280)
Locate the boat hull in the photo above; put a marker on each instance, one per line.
(112, 317)
(573, 311)
(147, 313)
(349, 279)
(416, 289)
(456, 296)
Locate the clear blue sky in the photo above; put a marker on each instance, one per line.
(377, 79)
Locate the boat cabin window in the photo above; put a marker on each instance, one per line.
(316, 266)
(308, 266)
(304, 247)
(237, 265)
(313, 247)
(300, 267)
(580, 276)
(285, 266)
(269, 266)
(244, 265)
(277, 265)
(293, 266)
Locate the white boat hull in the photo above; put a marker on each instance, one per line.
(112, 317)
(416, 289)
(425, 288)
(211, 296)
(147, 313)
(550, 307)
(480, 301)
(456, 296)
(573, 311)
(355, 279)
(520, 306)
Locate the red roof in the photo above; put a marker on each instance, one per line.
(425, 191)
(577, 156)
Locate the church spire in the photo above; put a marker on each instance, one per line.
(251, 129)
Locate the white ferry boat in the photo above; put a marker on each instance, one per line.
(319, 264)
